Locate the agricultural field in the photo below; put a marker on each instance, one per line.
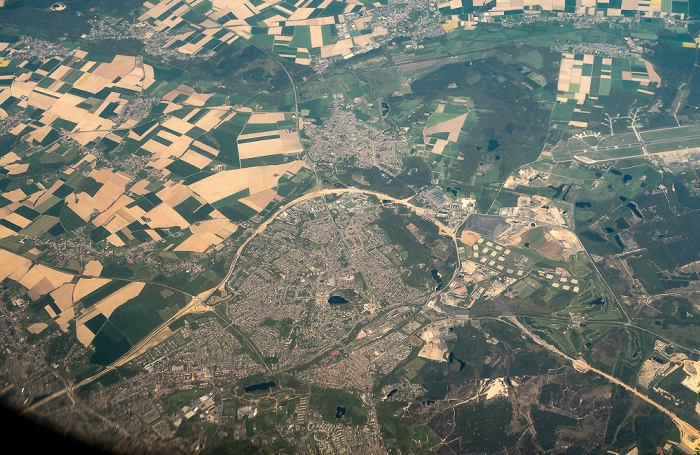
(298, 32)
(183, 140)
(587, 81)
(236, 226)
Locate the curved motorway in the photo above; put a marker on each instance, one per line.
(690, 436)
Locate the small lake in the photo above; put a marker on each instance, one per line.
(337, 300)
(339, 412)
(452, 359)
(632, 206)
(437, 277)
(260, 387)
(385, 109)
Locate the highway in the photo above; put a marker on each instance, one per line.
(690, 436)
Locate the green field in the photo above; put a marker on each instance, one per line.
(670, 133)
(327, 402)
(618, 139)
(680, 144)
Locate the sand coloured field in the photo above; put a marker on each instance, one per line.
(296, 167)
(195, 159)
(161, 336)
(65, 318)
(117, 206)
(176, 124)
(41, 101)
(115, 240)
(59, 72)
(140, 187)
(85, 286)
(40, 133)
(131, 214)
(38, 272)
(439, 146)
(153, 234)
(17, 168)
(9, 158)
(116, 224)
(290, 143)
(84, 335)
(206, 148)
(260, 148)
(82, 204)
(174, 194)
(168, 136)
(342, 47)
(199, 241)
(63, 296)
(266, 117)
(469, 237)
(221, 227)
(107, 195)
(91, 83)
(14, 195)
(165, 216)
(158, 150)
(105, 175)
(316, 36)
(107, 305)
(37, 327)
(43, 287)
(259, 201)
(198, 99)
(120, 66)
(10, 262)
(17, 219)
(210, 120)
(653, 75)
(227, 183)
(180, 90)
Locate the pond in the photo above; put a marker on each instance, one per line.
(337, 300)
(385, 109)
(452, 359)
(619, 242)
(632, 206)
(260, 387)
(339, 412)
(437, 277)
